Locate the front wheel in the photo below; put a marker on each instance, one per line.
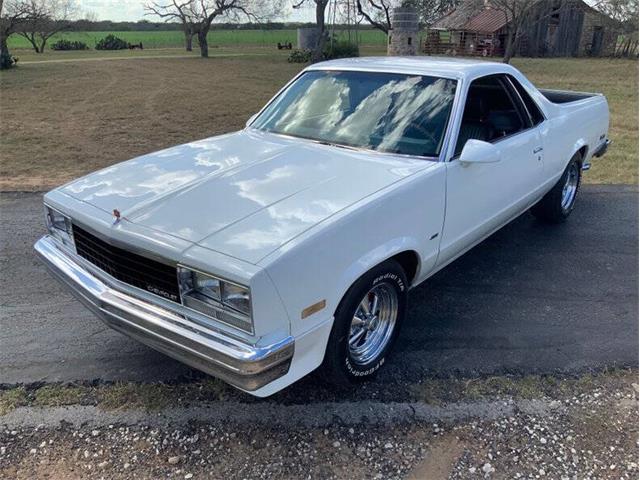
(366, 324)
(557, 205)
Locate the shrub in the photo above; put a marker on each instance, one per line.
(63, 44)
(111, 42)
(299, 56)
(7, 61)
(341, 49)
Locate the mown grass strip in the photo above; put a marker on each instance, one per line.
(432, 391)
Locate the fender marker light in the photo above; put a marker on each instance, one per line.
(311, 309)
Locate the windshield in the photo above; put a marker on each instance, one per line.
(387, 112)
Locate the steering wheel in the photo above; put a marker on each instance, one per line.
(429, 135)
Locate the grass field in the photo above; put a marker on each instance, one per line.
(164, 39)
(618, 80)
(63, 119)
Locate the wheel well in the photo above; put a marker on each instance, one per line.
(409, 261)
(583, 153)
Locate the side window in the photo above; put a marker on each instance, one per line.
(532, 107)
(491, 112)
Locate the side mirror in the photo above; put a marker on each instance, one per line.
(477, 151)
(251, 119)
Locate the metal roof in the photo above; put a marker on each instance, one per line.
(479, 16)
(459, 16)
(488, 20)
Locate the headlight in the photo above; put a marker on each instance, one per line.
(59, 226)
(217, 298)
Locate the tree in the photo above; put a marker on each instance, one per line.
(431, 10)
(177, 11)
(44, 19)
(12, 12)
(377, 13)
(200, 14)
(517, 14)
(624, 11)
(321, 7)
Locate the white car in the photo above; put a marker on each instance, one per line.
(260, 255)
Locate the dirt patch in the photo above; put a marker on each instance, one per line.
(439, 459)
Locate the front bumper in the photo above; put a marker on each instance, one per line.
(245, 366)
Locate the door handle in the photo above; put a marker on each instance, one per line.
(537, 149)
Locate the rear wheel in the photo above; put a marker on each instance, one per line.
(557, 205)
(366, 324)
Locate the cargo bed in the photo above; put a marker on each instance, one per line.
(565, 96)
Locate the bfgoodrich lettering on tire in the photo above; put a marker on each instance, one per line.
(366, 324)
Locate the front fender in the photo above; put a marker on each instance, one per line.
(375, 257)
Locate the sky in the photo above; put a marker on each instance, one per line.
(132, 10)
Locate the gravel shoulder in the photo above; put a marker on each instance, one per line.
(583, 428)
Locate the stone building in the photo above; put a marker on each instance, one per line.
(558, 28)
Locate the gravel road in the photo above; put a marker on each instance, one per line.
(588, 429)
(531, 298)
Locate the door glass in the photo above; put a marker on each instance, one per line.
(532, 107)
(490, 113)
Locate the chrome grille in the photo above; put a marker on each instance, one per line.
(130, 268)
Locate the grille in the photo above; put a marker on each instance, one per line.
(135, 270)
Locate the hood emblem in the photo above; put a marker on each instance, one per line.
(116, 215)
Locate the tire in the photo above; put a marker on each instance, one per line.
(558, 203)
(346, 364)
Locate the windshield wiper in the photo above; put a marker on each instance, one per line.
(331, 144)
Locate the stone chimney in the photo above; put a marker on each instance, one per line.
(404, 34)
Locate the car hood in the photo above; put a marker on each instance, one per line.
(243, 194)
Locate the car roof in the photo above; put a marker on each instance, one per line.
(448, 67)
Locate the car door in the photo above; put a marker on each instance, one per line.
(481, 197)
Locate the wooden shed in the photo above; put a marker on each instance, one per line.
(557, 28)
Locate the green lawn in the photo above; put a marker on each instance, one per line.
(164, 39)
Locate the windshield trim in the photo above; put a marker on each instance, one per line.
(345, 147)
(446, 132)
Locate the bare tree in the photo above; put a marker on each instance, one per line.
(202, 13)
(321, 7)
(377, 13)
(624, 11)
(12, 12)
(44, 19)
(517, 14)
(176, 11)
(431, 10)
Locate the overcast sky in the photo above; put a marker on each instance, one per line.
(131, 10)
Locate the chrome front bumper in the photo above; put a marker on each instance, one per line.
(245, 366)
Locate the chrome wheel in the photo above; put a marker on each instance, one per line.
(570, 188)
(373, 323)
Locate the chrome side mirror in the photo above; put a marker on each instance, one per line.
(477, 151)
